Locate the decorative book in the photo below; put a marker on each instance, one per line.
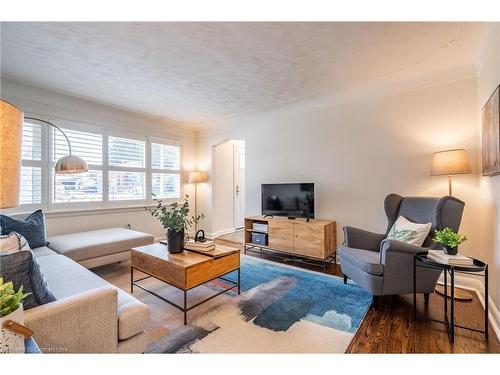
(259, 227)
(456, 260)
(201, 246)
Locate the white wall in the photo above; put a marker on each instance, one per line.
(42, 102)
(488, 80)
(358, 153)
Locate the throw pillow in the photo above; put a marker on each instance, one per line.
(32, 228)
(12, 243)
(22, 268)
(409, 232)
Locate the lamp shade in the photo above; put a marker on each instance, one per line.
(197, 176)
(70, 164)
(449, 162)
(11, 133)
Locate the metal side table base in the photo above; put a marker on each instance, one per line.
(478, 268)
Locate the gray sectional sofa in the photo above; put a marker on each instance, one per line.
(90, 314)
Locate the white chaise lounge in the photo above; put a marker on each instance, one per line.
(98, 247)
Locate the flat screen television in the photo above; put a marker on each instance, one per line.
(291, 200)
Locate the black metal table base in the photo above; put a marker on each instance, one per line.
(184, 308)
(332, 259)
(449, 322)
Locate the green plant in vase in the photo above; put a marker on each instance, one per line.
(449, 239)
(10, 300)
(11, 309)
(175, 218)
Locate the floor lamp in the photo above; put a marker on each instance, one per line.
(11, 131)
(449, 163)
(196, 177)
(69, 164)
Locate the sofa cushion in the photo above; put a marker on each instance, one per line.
(23, 270)
(366, 260)
(32, 228)
(67, 278)
(93, 244)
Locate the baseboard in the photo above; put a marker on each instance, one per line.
(220, 233)
(475, 285)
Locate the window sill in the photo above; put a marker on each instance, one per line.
(74, 212)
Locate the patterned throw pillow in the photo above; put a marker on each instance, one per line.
(406, 231)
(32, 228)
(12, 243)
(22, 268)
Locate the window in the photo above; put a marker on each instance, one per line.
(127, 169)
(86, 187)
(82, 187)
(31, 170)
(121, 169)
(165, 170)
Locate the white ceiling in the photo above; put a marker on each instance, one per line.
(204, 72)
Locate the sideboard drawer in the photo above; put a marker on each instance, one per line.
(310, 240)
(280, 235)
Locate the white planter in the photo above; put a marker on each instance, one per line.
(11, 342)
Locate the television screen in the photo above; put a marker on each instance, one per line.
(291, 200)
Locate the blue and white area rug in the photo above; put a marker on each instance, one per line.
(282, 309)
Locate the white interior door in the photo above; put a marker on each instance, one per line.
(239, 184)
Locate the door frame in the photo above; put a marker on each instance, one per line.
(219, 231)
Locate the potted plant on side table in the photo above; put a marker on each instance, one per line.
(11, 309)
(175, 218)
(449, 240)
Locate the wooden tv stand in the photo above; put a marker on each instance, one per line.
(313, 239)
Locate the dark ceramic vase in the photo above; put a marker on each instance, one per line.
(451, 250)
(175, 241)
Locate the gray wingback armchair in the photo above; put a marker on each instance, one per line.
(385, 267)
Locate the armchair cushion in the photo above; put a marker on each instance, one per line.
(362, 239)
(409, 232)
(366, 260)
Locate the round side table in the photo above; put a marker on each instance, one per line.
(478, 268)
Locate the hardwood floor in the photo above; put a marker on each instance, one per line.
(391, 328)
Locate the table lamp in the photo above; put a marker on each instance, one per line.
(11, 134)
(449, 163)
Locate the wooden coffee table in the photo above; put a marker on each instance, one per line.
(185, 270)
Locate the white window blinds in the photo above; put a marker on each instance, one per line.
(121, 168)
(127, 169)
(124, 152)
(31, 170)
(82, 187)
(165, 167)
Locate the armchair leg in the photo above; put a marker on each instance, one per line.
(345, 279)
(376, 303)
(426, 298)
